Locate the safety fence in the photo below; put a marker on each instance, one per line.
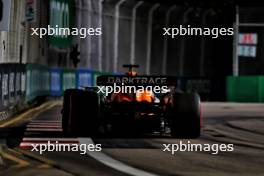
(22, 83)
(61, 79)
(245, 89)
(28, 81)
(13, 87)
(209, 89)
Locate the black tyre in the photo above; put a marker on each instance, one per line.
(80, 114)
(185, 115)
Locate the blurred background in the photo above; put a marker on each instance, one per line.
(132, 32)
(227, 68)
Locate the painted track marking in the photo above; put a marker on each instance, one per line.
(111, 162)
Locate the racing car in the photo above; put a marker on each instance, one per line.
(94, 111)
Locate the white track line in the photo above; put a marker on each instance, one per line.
(49, 139)
(43, 129)
(30, 143)
(99, 156)
(51, 121)
(111, 162)
(45, 120)
(27, 142)
(44, 126)
(45, 123)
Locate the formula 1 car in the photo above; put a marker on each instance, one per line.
(103, 110)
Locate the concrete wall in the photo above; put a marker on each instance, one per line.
(15, 37)
(184, 54)
(17, 45)
(217, 54)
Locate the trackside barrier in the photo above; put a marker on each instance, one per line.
(84, 78)
(13, 87)
(21, 83)
(209, 89)
(245, 89)
(68, 79)
(13, 84)
(38, 81)
(56, 82)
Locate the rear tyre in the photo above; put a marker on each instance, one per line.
(80, 114)
(185, 115)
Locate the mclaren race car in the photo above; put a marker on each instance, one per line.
(132, 104)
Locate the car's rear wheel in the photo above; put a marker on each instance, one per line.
(185, 115)
(80, 114)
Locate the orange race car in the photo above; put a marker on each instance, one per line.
(132, 104)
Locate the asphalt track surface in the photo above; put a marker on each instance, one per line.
(238, 124)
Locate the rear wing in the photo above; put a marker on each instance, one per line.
(107, 80)
(209, 88)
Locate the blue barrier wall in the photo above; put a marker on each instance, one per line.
(56, 82)
(84, 78)
(23, 83)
